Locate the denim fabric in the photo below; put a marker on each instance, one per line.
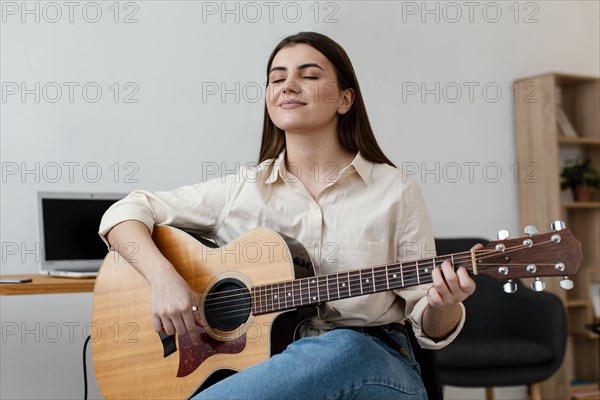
(339, 364)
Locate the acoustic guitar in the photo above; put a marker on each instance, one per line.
(252, 293)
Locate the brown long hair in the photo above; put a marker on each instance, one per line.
(354, 129)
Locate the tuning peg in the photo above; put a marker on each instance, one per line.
(557, 225)
(531, 230)
(566, 283)
(503, 234)
(538, 285)
(510, 286)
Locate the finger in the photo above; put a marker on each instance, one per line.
(440, 286)
(466, 282)
(478, 246)
(190, 324)
(157, 324)
(189, 319)
(167, 326)
(179, 325)
(433, 298)
(452, 281)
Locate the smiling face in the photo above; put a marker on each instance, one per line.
(302, 93)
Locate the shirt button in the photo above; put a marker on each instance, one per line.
(315, 245)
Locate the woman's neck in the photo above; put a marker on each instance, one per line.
(307, 154)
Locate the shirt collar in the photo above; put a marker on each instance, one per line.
(363, 166)
(277, 168)
(359, 164)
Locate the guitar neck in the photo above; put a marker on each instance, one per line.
(314, 290)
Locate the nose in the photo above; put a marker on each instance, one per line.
(292, 87)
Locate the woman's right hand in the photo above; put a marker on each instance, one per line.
(171, 299)
(171, 304)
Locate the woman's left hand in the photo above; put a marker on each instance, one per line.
(449, 286)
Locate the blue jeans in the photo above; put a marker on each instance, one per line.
(339, 364)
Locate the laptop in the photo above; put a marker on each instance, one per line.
(68, 232)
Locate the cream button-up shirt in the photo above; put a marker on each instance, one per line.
(370, 214)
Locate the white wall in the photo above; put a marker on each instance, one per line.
(172, 135)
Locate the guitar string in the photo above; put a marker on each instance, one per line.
(319, 288)
(407, 273)
(322, 285)
(302, 300)
(357, 282)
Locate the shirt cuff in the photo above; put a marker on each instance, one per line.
(121, 213)
(425, 342)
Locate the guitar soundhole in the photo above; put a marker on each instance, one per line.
(227, 305)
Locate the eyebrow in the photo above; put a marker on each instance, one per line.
(302, 66)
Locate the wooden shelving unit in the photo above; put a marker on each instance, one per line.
(540, 140)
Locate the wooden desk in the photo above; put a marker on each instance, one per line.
(44, 284)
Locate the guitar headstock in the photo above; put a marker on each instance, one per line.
(555, 253)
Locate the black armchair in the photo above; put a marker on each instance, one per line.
(508, 339)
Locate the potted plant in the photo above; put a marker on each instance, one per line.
(582, 178)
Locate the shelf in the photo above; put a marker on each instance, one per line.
(577, 303)
(581, 204)
(44, 284)
(584, 334)
(579, 140)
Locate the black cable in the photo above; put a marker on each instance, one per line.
(85, 384)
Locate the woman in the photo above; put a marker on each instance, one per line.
(323, 180)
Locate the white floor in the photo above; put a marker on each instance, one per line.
(503, 393)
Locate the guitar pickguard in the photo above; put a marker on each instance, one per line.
(191, 355)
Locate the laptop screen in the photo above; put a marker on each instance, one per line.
(69, 230)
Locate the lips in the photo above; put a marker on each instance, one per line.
(287, 104)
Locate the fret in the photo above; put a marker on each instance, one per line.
(327, 287)
(333, 289)
(418, 273)
(297, 293)
(344, 285)
(270, 294)
(394, 276)
(273, 296)
(387, 281)
(355, 283)
(366, 282)
(258, 299)
(313, 290)
(285, 295)
(262, 299)
(361, 283)
(323, 288)
(402, 274)
(380, 281)
(266, 298)
(304, 292)
(281, 296)
(373, 279)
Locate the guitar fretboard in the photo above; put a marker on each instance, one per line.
(319, 289)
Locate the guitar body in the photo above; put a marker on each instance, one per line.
(131, 360)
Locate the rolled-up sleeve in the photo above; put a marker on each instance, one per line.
(200, 207)
(417, 242)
